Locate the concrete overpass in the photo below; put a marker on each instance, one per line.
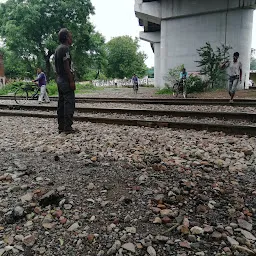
(177, 28)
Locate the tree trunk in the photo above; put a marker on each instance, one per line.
(47, 65)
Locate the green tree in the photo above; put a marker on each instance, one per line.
(98, 58)
(124, 58)
(29, 28)
(16, 67)
(253, 60)
(210, 61)
(173, 75)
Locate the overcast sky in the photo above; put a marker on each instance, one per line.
(116, 17)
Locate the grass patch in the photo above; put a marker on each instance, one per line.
(52, 88)
(7, 89)
(164, 91)
(87, 88)
(12, 87)
(81, 88)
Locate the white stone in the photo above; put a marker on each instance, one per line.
(73, 227)
(151, 251)
(232, 241)
(129, 247)
(248, 235)
(26, 198)
(91, 186)
(131, 230)
(2, 251)
(244, 224)
(196, 230)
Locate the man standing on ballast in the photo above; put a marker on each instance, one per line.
(65, 82)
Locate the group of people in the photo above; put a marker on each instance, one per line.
(66, 82)
(234, 70)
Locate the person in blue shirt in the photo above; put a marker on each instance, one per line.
(135, 83)
(183, 74)
(182, 82)
(41, 79)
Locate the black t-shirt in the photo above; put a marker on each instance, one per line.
(62, 54)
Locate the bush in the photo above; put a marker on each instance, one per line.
(173, 75)
(85, 86)
(80, 87)
(210, 61)
(195, 84)
(11, 87)
(52, 88)
(91, 75)
(166, 90)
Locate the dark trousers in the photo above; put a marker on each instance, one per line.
(66, 105)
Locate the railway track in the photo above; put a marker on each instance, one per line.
(144, 117)
(172, 101)
(251, 117)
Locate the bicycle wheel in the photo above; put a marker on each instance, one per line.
(33, 94)
(21, 96)
(184, 90)
(175, 90)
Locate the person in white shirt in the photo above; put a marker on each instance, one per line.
(235, 74)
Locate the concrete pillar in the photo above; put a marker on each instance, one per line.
(187, 25)
(239, 36)
(164, 66)
(154, 38)
(157, 67)
(180, 38)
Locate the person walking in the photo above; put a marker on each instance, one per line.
(65, 81)
(235, 74)
(41, 79)
(135, 83)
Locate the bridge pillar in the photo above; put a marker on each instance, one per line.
(157, 68)
(186, 26)
(154, 38)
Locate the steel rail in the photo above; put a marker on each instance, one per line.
(229, 129)
(146, 112)
(171, 101)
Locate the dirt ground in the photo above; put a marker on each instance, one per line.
(152, 93)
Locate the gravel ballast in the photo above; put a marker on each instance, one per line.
(119, 190)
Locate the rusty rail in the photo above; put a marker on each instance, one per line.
(233, 129)
(171, 101)
(146, 112)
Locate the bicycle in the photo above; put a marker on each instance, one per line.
(26, 92)
(135, 88)
(180, 88)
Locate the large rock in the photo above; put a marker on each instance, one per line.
(248, 235)
(232, 241)
(151, 251)
(244, 224)
(73, 227)
(129, 247)
(196, 230)
(29, 240)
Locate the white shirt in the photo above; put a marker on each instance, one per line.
(234, 68)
